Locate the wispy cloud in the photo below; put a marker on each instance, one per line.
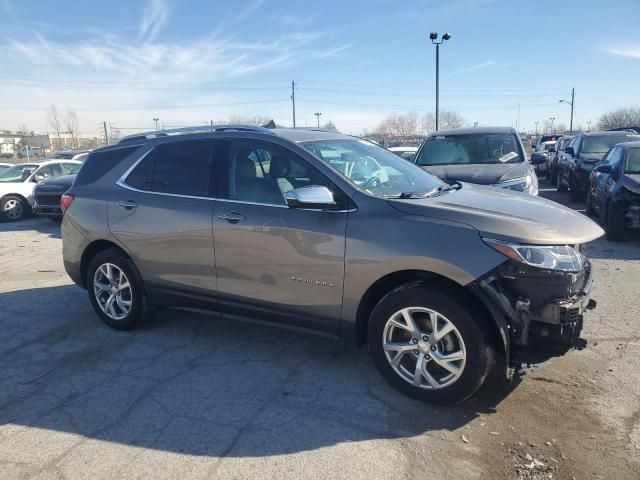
(479, 66)
(289, 20)
(632, 51)
(332, 51)
(6, 6)
(154, 18)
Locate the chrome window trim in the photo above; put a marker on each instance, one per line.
(121, 182)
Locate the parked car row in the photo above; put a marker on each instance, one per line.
(602, 169)
(23, 184)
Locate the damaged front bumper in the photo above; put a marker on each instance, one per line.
(537, 308)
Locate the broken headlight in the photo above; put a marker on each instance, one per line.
(551, 257)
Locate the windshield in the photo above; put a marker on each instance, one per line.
(602, 143)
(485, 148)
(18, 173)
(373, 169)
(632, 165)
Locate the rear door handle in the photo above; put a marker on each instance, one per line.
(232, 217)
(128, 204)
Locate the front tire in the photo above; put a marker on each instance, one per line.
(15, 208)
(575, 194)
(116, 290)
(615, 222)
(560, 187)
(428, 345)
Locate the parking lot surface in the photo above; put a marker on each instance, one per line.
(189, 396)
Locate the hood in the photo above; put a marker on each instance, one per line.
(506, 215)
(592, 157)
(484, 174)
(63, 181)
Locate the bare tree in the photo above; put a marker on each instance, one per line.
(449, 119)
(330, 126)
(23, 129)
(399, 125)
(258, 120)
(428, 124)
(72, 124)
(623, 117)
(115, 134)
(55, 122)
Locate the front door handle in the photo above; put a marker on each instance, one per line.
(232, 217)
(128, 204)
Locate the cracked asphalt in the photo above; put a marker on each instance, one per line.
(190, 396)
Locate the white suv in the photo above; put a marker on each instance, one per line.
(18, 182)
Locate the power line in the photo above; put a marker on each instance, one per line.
(153, 107)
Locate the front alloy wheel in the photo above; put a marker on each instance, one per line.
(14, 208)
(424, 348)
(428, 343)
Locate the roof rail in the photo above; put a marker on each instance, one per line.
(187, 130)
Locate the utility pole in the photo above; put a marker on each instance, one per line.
(573, 98)
(156, 120)
(106, 136)
(317, 114)
(293, 101)
(536, 128)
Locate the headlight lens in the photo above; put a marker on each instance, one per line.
(552, 257)
(522, 184)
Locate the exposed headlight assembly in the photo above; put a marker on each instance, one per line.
(551, 257)
(522, 184)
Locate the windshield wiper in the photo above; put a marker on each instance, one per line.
(445, 188)
(406, 195)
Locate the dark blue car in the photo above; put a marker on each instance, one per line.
(613, 193)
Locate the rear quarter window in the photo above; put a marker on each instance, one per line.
(99, 163)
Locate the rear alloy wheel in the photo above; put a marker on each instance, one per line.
(116, 290)
(14, 208)
(427, 345)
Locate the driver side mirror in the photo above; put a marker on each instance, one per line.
(38, 178)
(538, 158)
(569, 150)
(313, 197)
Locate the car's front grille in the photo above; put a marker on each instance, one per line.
(48, 199)
(569, 315)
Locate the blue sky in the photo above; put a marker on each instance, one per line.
(188, 62)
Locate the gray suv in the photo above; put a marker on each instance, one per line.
(331, 234)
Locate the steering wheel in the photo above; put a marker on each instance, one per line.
(372, 182)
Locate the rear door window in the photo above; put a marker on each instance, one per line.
(183, 168)
(178, 168)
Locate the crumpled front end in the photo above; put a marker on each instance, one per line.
(542, 308)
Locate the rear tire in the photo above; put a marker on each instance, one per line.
(615, 222)
(467, 339)
(116, 290)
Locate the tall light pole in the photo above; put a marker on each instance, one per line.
(434, 39)
(156, 120)
(573, 96)
(552, 119)
(536, 128)
(317, 114)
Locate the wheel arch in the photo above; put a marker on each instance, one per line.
(92, 250)
(27, 205)
(467, 296)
